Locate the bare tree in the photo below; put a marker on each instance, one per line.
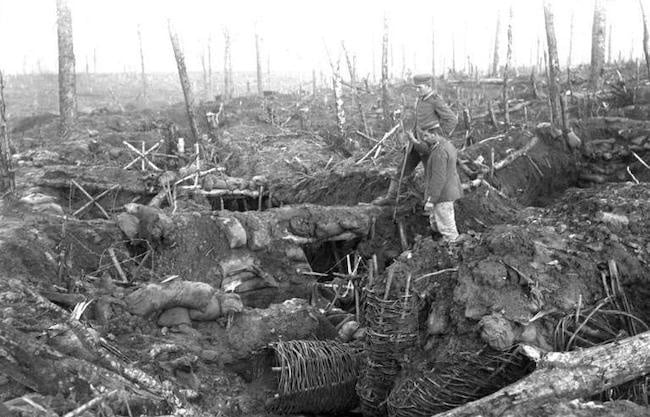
(609, 44)
(374, 63)
(349, 63)
(646, 38)
(258, 60)
(7, 180)
(506, 110)
(384, 75)
(453, 53)
(185, 82)
(568, 61)
(403, 72)
(204, 73)
(143, 74)
(598, 45)
(210, 67)
(227, 67)
(67, 82)
(495, 59)
(553, 64)
(433, 54)
(338, 99)
(268, 70)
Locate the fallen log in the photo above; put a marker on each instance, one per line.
(566, 376)
(516, 154)
(486, 81)
(45, 370)
(516, 107)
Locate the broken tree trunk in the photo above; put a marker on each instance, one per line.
(143, 74)
(567, 375)
(210, 67)
(598, 45)
(646, 38)
(7, 180)
(384, 75)
(185, 82)
(67, 83)
(258, 60)
(553, 65)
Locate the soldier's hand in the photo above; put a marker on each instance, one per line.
(428, 207)
(412, 138)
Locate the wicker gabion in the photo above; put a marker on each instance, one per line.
(392, 334)
(448, 385)
(316, 376)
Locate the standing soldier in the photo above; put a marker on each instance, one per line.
(433, 119)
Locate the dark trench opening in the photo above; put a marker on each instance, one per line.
(240, 204)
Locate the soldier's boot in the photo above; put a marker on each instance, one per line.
(390, 196)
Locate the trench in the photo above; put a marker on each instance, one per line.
(538, 179)
(535, 180)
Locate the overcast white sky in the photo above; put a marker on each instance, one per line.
(294, 32)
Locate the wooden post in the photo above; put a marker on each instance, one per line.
(185, 82)
(67, 82)
(313, 82)
(553, 64)
(384, 75)
(258, 61)
(646, 38)
(495, 59)
(597, 45)
(506, 110)
(7, 179)
(142, 73)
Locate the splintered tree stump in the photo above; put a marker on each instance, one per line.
(566, 376)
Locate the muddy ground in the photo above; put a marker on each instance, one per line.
(546, 236)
